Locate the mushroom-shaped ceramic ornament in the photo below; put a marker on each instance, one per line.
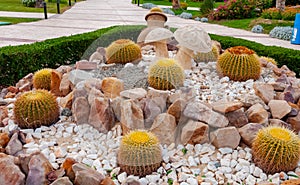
(156, 17)
(191, 39)
(158, 38)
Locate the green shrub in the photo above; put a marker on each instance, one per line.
(273, 13)
(18, 61)
(206, 7)
(29, 3)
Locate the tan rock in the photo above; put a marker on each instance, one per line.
(12, 89)
(264, 91)
(131, 116)
(66, 102)
(225, 106)
(164, 127)
(159, 97)
(201, 112)
(64, 69)
(3, 113)
(294, 122)
(257, 114)
(151, 110)
(176, 108)
(279, 123)
(65, 85)
(55, 82)
(67, 166)
(94, 93)
(237, 118)
(248, 132)
(25, 158)
(86, 176)
(86, 65)
(101, 115)
(112, 87)
(92, 83)
(137, 93)
(291, 182)
(279, 108)
(10, 173)
(81, 110)
(107, 181)
(116, 106)
(62, 181)
(195, 132)
(25, 87)
(186, 93)
(39, 167)
(4, 139)
(14, 145)
(225, 137)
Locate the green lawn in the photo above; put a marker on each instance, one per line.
(247, 24)
(17, 20)
(17, 6)
(167, 3)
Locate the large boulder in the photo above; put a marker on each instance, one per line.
(249, 131)
(225, 137)
(195, 132)
(257, 114)
(10, 173)
(279, 108)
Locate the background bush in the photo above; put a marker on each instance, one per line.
(29, 3)
(273, 13)
(18, 61)
(206, 7)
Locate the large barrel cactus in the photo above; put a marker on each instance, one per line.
(36, 108)
(276, 149)
(166, 74)
(42, 79)
(140, 153)
(239, 64)
(123, 51)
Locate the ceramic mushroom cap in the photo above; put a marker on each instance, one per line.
(194, 38)
(158, 34)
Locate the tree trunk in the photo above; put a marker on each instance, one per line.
(176, 4)
(280, 4)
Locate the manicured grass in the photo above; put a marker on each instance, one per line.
(14, 20)
(167, 3)
(247, 24)
(17, 6)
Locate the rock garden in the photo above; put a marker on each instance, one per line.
(168, 108)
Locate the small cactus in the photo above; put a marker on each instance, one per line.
(239, 64)
(140, 153)
(36, 108)
(276, 149)
(42, 79)
(123, 51)
(165, 74)
(268, 59)
(211, 56)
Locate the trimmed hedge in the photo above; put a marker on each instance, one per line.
(18, 61)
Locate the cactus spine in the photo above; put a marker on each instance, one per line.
(123, 51)
(36, 108)
(42, 79)
(140, 153)
(276, 149)
(211, 56)
(166, 74)
(239, 64)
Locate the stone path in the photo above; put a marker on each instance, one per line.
(91, 15)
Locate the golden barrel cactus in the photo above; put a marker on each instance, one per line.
(239, 64)
(42, 79)
(140, 153)
(123, 51)
(36, 108)
(276, 149)
(211, 56)
(166, 74)
(269, 59)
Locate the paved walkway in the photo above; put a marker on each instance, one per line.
(91, 15)
(25, 14)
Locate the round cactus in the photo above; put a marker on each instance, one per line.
(140, 153)
(166, 74)
(42, 79)
(36, 108)
(211, 56)
(276, 149)
(239, 64)
(123, 51)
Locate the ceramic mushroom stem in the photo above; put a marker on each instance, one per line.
(158, 38)
(161, 49)
(184, 57)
